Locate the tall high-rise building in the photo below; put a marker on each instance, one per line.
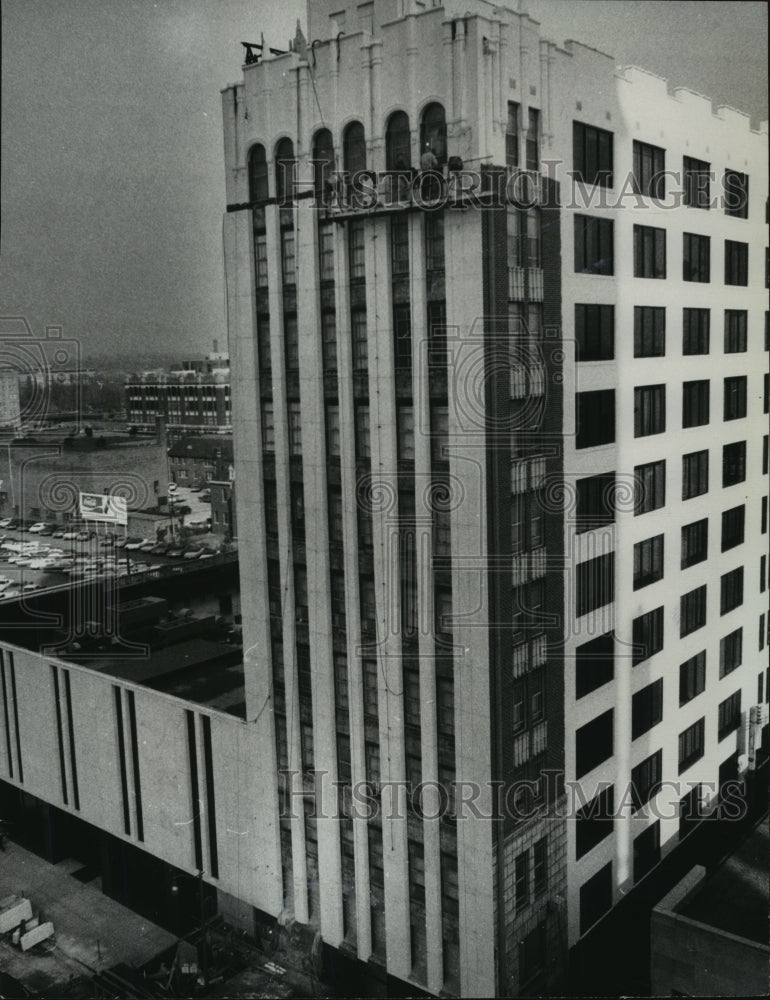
(498, 335)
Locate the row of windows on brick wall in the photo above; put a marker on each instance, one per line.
(595, 254)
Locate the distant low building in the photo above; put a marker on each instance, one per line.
(195, 397)
(10, 408)
(223, 517)
(196, 460)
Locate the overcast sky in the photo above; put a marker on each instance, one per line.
(112, 168)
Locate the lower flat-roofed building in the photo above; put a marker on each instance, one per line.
(710, 932)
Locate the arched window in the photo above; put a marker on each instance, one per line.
(433, 132)
(323, 159)
(354, 148)
(285, 165)
(257, 174)
(398, 142)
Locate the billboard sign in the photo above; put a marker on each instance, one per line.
(103, 507)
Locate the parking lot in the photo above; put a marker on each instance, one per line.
(36, 556)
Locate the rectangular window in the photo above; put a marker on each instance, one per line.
(363, 438)
(649, 165)
(434, 241)
(645, 779)
(356, 251)
(329, 341)
(696, 258)
(731, 591)
(730, 652)
(647, 635)
(692, 611)
(268, 427)
(594, 822)
(736, 194)
(735, 397)
(592, 154)
(360, 343)
(370, 687)
(649, 331)
(646, 708)
(646, 850)
(736, 263)
(534, 240)
(649, 487)
(733, 463)
(691, 744)
(648, 561)
(649, 410)
(649, 252)
(533, 140)
(594, 664)
(595, 583)
(729, 715)
(263, 343)
(695, 539)
(593, 743)
(735, 331)
(733, 527)
(692, 677)
(439, 425)
(696, 183)
(291, 342)
(695, 474)
(333, 431)
(695, 403)
(595, 418)
(593, 245)
(288, 258)
(595, 502)
(695, 331)
(512, 135)
(405, 419)
(595, 332)
(295, 429)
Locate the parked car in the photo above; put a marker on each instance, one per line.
(47, 531)
(5, 522)
(83, 536)
(59, 533)
(147, 546)
(14, 524)
(134, 543)
(160, 549)
(10, 594)
(205, 497)
(176, 552)
(31, 586)
(108, 541)
(196, 488)
(70, 535)
(193, 554)
(35, 529)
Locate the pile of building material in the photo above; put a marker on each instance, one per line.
(26, 929)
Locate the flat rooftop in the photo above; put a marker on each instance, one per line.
(735, 898)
